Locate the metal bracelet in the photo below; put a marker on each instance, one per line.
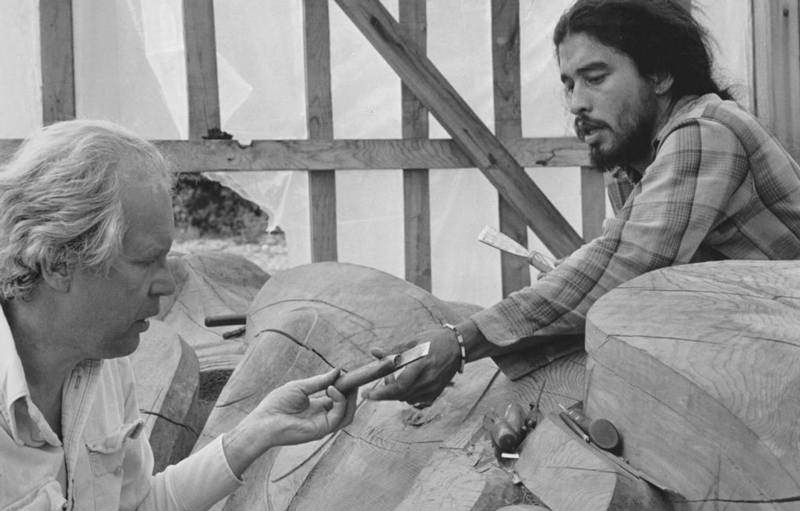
(460, 341)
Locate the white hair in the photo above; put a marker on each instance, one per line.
(60, 200)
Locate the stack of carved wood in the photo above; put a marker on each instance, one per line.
(696, 367)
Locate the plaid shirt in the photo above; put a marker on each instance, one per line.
(720, 186)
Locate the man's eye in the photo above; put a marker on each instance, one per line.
(594, 80)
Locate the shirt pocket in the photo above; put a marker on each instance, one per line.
(106, 457)
(47, 497)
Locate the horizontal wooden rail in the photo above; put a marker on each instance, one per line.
(208, 155)
(224, 155)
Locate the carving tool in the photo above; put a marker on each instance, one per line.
(535, 416)
(494, 238)
(571, 424)
(226, 320)
(600, 431)
(379, 368)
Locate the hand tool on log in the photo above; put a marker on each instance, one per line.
(599, 431)
(494, 238)
(535, 415)
(379, 368)
(226, 320)
(618, 461)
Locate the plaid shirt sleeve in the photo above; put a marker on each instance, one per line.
(681, 197)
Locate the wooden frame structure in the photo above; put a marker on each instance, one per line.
(501, 156)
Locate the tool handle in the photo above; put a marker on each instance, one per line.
(374, 370)
(226, 320)
(515, 416)
(504, 438)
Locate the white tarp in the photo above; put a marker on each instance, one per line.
(130, 69)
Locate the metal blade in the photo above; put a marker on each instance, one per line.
(408, 356)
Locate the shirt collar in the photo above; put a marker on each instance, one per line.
(633, 174)
(13, 385)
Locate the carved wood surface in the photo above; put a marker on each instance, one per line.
(567, 475)
(211, 284)
(698, 367)
(393, 456)
(167, 381)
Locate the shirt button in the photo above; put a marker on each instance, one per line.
(118, 471)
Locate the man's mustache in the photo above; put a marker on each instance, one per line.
(583, 124)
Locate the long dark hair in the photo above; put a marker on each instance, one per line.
(658, 35)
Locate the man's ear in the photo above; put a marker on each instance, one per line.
(58, 278)
(662, 82)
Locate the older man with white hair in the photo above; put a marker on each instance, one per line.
(86, 223)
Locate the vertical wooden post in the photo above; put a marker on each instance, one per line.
(776, 73)
(319, 115)
(416, 191)
(593, 202)
(58, 65)
(508, 128)
(201, 68)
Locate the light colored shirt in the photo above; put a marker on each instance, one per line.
(104, 461)
(720, 186)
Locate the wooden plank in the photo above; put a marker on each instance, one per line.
(701, 382)
(315, 155)
(593, 202)
(776, 77)
(515, 272)
(58, 66)
(467, 130)
(416, 188)
(319, 116)
(201, 68)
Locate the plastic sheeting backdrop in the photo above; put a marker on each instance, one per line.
(130, 69)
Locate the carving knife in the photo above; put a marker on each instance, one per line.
(379, 368)
(494, 238)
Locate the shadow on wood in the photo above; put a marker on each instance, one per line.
(167, 380)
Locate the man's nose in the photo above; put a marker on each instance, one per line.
(164, 282)
(579, 100)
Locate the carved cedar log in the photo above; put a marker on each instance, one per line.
(312, 317)
(698, 366)
(167, 381)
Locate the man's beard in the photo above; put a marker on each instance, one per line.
(632, 138)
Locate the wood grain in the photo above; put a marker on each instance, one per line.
(567, 475)
(467, 130)
(314, 155)
(702, 378)
(310, 318)
(515, 273)
(319, 119)
(57, 60)
(593, 202)
(211, 284)
(167, 382)
(416, 185)
(201, 67)
(776, 74)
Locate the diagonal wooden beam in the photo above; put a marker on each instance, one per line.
(468, 131)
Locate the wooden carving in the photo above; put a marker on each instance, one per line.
(310, 318)
(698, 366)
